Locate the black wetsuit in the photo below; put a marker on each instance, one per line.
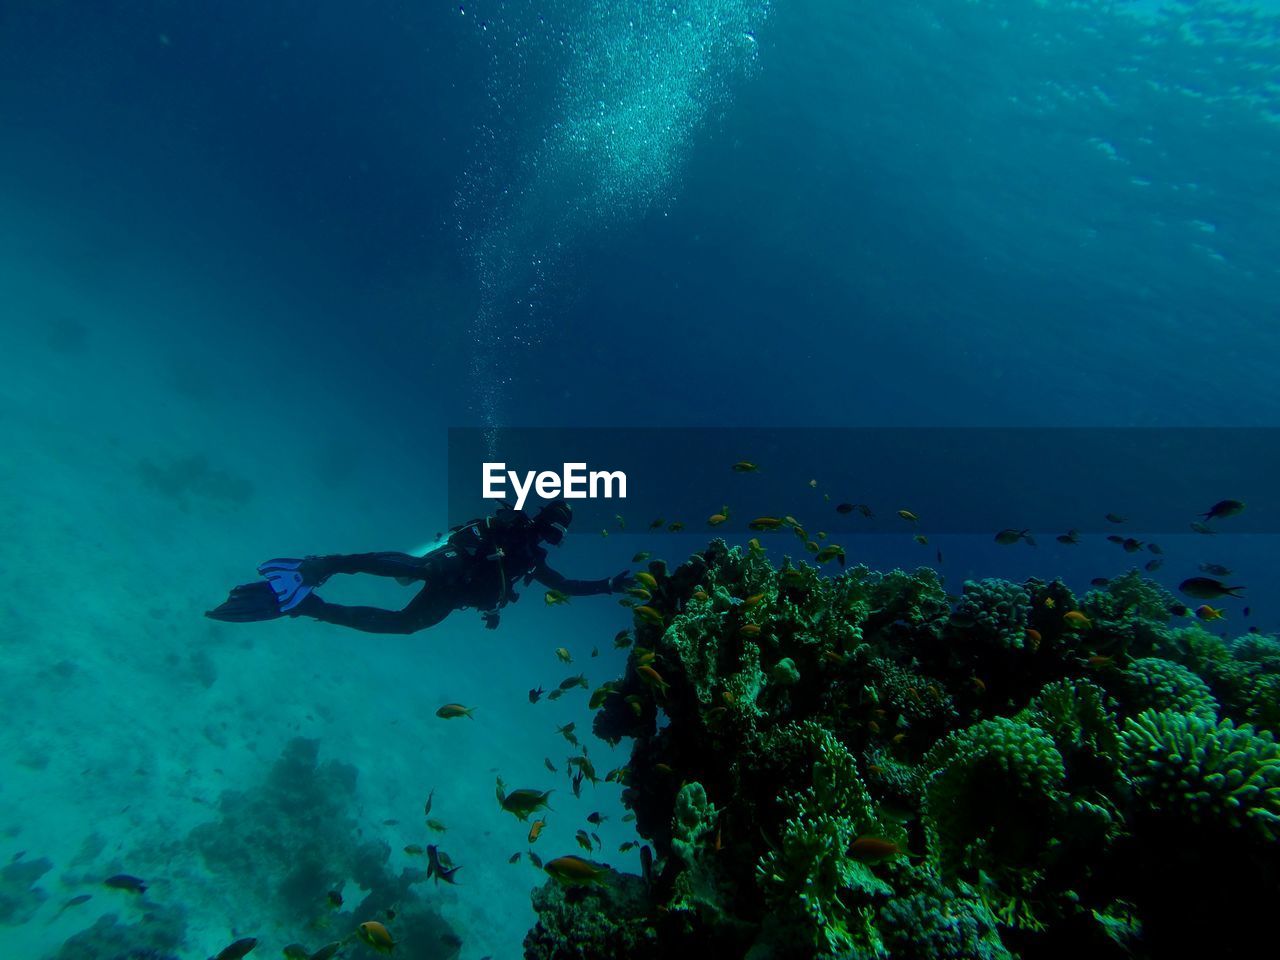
(478, 567)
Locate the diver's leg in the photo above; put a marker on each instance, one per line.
(428, 608)
(381, 564)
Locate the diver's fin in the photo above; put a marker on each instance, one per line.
(287, 578)
(247, 603)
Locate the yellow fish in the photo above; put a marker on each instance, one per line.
(451, 711)
(574, 871)
(1206, 612)
(648, 579)
(1075, 620)
(908, 516)
(554, 598)
(563, 655)
(377, 936)
(745, 466)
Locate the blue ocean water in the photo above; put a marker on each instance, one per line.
(255, 260)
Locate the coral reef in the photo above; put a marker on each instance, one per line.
(862, 767)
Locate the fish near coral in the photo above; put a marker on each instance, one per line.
(376, 936)
(584, 841)
(521, 803)
(829, 553)
(451, 711)
(575, 871)
(750, 630)
(653, 679)
(622, 639)
(867, 849)
(1009, 537)
(1223, 509)
(718, 518)
(123, 881)
(1075, 620)
(648, 615)
(1206, 588)
(439, 865)
(241, 948)
(648, 579)
(1207, 613)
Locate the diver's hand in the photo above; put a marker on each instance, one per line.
(619, 581)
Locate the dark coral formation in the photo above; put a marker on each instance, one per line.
(865, 767)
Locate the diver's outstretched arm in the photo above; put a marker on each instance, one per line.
(578, 588)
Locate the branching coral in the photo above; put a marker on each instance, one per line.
(1163, 685)
(1197, 771)
(994, 612)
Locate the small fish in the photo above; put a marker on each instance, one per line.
(1206, 588)
(123, 881)
(622, 639)
(414, 850)
(1010, 536)
(640, 557)
(75, 902)
(756, 547)
(436, 826)
(451, 711)
(600, 695)
(1034, 639)
(1152, 566)
(376, 935)
(908, 516)
(1070, 537)
(241, 948)
(648, 579)
(563, 655)
(440, 866)
(844, 508)
(1217, 569)
(618, 519)
(596, 818)
(1116, 518)
(554, 598)
(535, 831)
(921, 539)
(718, 518)
(426, 807)
(656, 524)
(765, 523)
(1180, 610)
(568, 683)
(813, 484)
(628, 818)
(535, 859)
(521, 803)
(1115, 538)
(829, 553)
(1101, 661)
(629, 845)
(536, 694)
(868, 849)
(584, 841)
(664, 768)
(653, 679)
(334, 898)
(595, 651)
(1075, 620)
(567, 732)
(514, 858)
(576, 783)
(555, 694)
(1131, 545)
(675, 526)
(1223, 509)
(546, 762)
(328, 950)
(1155, 548)
(574, 871)
(745, 466)
(648, 615)
(1207, 613)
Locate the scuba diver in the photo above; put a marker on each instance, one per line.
(477, 566)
